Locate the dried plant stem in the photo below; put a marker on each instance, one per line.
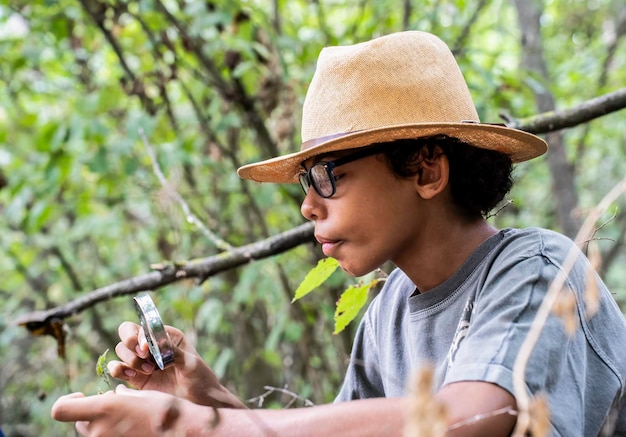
(260, 400)
(189, 216)
(426, 416)
(519, 369)
(479, 417)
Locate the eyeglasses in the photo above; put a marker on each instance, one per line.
(321, 176)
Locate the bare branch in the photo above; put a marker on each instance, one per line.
(260, 400)
(201, 269)
(583, 113)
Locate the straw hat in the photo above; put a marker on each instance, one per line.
(400, 86)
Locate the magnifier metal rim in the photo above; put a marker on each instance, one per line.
(158, 341)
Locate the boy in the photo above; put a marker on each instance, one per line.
(396, 167)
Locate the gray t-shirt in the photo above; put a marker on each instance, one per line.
(471, 328)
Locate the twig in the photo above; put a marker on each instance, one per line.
(519, 369)
(260, 400)
(189, 216)
(494, 214)
(478, 417)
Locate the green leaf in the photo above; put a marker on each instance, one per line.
(316, 277)
(101, 368)
(350, 303)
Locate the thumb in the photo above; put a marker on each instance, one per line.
(121, 389)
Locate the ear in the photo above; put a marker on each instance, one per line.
(433, 176)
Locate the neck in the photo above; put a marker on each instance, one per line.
(442, 250)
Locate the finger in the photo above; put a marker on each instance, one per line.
(131, 359)
(73, 407)
(133, 338)
(122, 371)
(75, 395)
(82, 428)
(143, 348)
(125, 391)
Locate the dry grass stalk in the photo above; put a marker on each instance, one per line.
(539, 417)
(482, 416)
(565, 308)
(525, 418)
(426, 416)
(592, 297)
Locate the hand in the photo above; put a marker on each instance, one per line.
(128, 412)
(189, 378)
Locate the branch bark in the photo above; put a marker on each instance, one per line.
(200, 269)
(583, 113)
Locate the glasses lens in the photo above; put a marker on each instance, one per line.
(322, 179)
(304, 182)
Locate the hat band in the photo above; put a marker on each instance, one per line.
(323, 139)
(320, 140)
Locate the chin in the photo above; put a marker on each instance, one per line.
(355, 271)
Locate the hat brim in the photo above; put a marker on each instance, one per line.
(518, 145)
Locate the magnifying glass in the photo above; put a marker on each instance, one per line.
(158, 341)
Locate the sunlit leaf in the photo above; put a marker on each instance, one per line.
(101, 368)
(316, 277)
(350, 303)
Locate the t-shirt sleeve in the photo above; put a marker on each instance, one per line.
(502, 316)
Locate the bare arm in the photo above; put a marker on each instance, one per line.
(189, 399)
(149, 413)
(378, 417)
(465, 401)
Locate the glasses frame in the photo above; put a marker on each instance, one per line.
(307, 180)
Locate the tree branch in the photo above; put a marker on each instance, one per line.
(583, 113)
(201, 269)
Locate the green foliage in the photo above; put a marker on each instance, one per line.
(102, 371)
(215, 85)
(316, 277)
(352, 300)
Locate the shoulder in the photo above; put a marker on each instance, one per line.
(535, 245)
(532, 241)
(553, 248)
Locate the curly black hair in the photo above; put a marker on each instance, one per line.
(479, 178)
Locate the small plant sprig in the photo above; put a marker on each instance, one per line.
(103, 371)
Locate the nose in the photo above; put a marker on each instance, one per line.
(312, 207)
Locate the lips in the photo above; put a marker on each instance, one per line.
(327, 245)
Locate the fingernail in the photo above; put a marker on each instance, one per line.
(130, 373)
(147, 367)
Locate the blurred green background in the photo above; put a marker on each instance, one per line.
(217, 84)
